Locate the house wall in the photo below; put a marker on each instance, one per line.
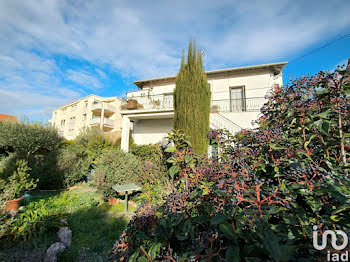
(243, 119)
(257, 83)
(151, 131)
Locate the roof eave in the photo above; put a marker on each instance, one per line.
(276, 68)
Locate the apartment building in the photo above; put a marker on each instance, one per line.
(237, 97)
(87, 112)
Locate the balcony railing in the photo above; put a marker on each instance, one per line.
(148, 102)
(165, 102)
(97, 121)
(106, 106)
(238, 105)
(108, 122)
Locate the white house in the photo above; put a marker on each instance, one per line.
(237, 96)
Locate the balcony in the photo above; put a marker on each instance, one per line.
(106, 122)
(165, 102)
(149, 102)
(108, 108)
(95, 121)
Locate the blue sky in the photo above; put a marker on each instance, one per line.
(55, 51)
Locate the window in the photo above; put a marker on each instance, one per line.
(237, 99)
(86, 104)
(63, 122)
(71, 123)
(84, 117)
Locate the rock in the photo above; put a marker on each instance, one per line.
(63, 221)
(52, 252)
(13, 213)
(65, 236)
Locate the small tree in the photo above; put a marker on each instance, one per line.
(28, 139)
(192, 100)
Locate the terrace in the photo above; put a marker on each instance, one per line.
(164, 102)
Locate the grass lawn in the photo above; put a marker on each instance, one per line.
(95, 226)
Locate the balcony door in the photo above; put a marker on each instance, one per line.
(237, 99)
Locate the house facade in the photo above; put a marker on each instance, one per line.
(237, 94)
(90, 111)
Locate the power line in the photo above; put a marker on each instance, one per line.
(318, 49)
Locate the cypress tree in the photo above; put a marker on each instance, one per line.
(192, 100)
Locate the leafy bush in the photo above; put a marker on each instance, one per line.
(115, 167)
(8, 165)
(153, 173)
(47, 169)
(94, 142)
(18, 183)
(259, 199)
(35, 220)
(28, 139)
(152, 163)
(74, 163)
(30, 142)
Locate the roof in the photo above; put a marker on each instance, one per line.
(85, 97)
(8, 117)
(275, 67)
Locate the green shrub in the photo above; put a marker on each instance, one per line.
(152, 163)
(74, 163)
(260, 198)
(8, 165)
(19, 182)
(115, 167)
(46, 169)
(28, 138)
(154, 174)
(29, 141)
(64, 166)
(94, 142)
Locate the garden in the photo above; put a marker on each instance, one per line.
(258, 199)
(70, 181)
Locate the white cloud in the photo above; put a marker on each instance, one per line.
(140, 39)
(83, 78)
